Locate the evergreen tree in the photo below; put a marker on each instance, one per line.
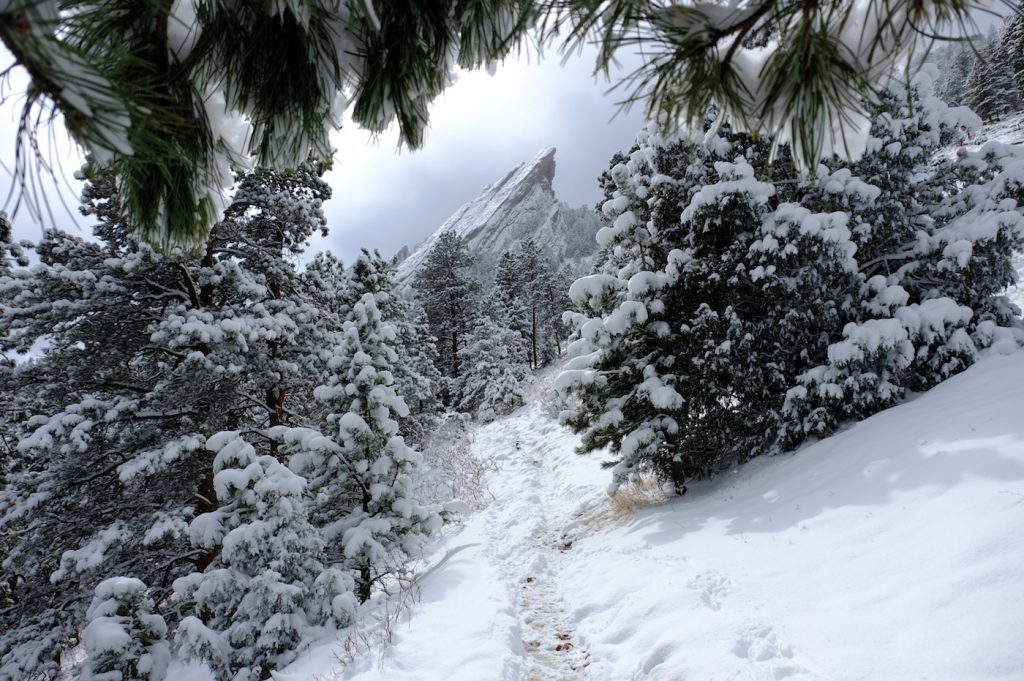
(124, 639)
(955, 64)
(991, 89)
(935, 251)
(417, 379)
(359, 469)
(495, 374)
(1011, 44)
(526, 292)
(255, 606)
(733, 316)
(146, 356)
(447, 293)
(507, 302)
(327, 281)
(690, 360)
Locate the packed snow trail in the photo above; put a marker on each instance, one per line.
(524, 527)
(491, 610)
(888, 552)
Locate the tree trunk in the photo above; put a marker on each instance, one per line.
(533, 335)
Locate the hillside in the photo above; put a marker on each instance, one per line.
(889, 551)
(520, 205)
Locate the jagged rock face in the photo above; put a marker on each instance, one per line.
(520, 205)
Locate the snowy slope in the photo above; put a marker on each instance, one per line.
(519, 205)
(891, 551)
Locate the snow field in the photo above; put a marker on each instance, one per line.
(888, 551)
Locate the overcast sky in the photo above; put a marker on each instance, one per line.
(481, 128)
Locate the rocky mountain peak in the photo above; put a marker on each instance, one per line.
(520, 205)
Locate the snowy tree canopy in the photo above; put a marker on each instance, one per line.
(738, 312)
(175, 94)
(124, 639)
(448, 294)
(143, 357)
(255, 605)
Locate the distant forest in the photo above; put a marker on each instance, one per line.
(986, 74)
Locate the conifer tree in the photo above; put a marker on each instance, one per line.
(527, 294)
(690, 356)
(992, 91)
(147, 355)
(359, 469)
(495, 371)
(326, 280)
(734, 316)
(507, 302)
(935, 243)
(447, 294)
(125, 639)
(255, 606)
(417, 379)
(1011, 44)
(955, 64)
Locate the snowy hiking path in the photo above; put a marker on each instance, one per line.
(888, 552)
(525, 528)
(488, 605)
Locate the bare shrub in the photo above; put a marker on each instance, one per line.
(453, 469)
(616, 508)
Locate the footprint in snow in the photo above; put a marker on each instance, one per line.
(712, 587)
(771, 660)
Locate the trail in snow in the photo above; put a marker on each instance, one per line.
(888, 552)
(490, 605)
(524, 527)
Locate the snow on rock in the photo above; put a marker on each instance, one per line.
(520, 205)
(890, 551)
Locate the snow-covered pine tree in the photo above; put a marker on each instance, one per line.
(359, 469)
(495, 373)
(1011, 43)
(537, 286)
(955, 62)
(108, 461)
(125, 639)
(146, 355)
(417, 379)
(326, 282)
(12, 254)
(266, 227)
(447, 293)
(935, 239)
(267, 588)
(507, 301)
(528, 295)
(992, 91)
(764, 312)
(681, 369)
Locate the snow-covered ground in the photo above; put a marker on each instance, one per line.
(890, 551)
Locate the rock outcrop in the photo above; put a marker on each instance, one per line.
(518, 206)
